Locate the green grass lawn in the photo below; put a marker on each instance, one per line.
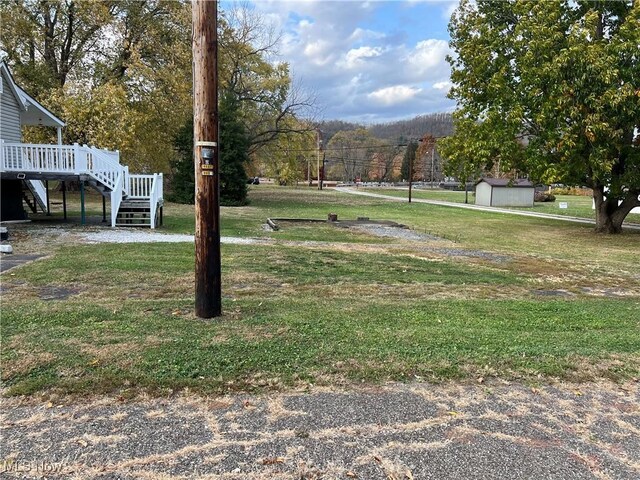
(498, 296)
(577, 206)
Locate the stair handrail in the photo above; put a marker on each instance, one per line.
(39, 193)
(105, 168)
(116, 197)
(154, 197)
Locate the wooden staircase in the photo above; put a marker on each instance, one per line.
(137, 213)
(31, 199)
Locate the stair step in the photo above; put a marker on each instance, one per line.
(132, 224)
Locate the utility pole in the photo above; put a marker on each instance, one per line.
(410, 174)
(318, 146)
(205, 136)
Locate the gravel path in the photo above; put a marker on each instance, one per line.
(417, 431)
(147, 236)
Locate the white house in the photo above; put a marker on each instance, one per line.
(504, 192)
(135, 200)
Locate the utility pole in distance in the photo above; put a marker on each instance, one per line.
(318, 148)
(410, 175)
(205, 154)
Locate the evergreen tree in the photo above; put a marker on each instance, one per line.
(233, 155)
(409, 158)
(183, 184)
(234, 152)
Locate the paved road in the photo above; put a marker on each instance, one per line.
(414, 431)
(481, 208)
(9, 261)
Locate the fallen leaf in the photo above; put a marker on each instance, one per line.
(453, 413)
(351, 474)
(272, 461)
(83, 443)
(50, 405)
(578, 393)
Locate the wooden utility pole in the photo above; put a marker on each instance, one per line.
(205, 154)
(410, 174)
(318, 144)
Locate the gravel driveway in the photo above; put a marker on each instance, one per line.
(415, 431)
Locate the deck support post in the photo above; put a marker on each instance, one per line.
(46, 186)
(83, 217)
(104, 209)
(64, 199)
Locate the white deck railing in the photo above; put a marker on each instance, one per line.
(147, 187)
(102, 165)
(140, 186)
(26, 157)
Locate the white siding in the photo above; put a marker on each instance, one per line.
(512, 197)
(483, 194)
(9, 115)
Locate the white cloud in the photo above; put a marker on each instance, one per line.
(394, 95)
(428, 58)
(318, 52)
(446, 85)
(356, 57)
(360, 65)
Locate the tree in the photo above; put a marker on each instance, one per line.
(233, 157)
(408, 161)
(290, 156)
(234, 153)
(269, 100)
(351, 152)
(426, 158)
(183, 182)
(550, 89)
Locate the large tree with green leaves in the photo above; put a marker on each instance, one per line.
(552, 89)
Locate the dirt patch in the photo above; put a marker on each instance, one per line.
(400, 232)
(57, 293)
(553, 293)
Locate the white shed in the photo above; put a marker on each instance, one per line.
(504, 192)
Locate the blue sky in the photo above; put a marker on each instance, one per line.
(367, 61)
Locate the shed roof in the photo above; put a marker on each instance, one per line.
(507, 182)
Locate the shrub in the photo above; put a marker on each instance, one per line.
(576, 191)
(544, 197)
